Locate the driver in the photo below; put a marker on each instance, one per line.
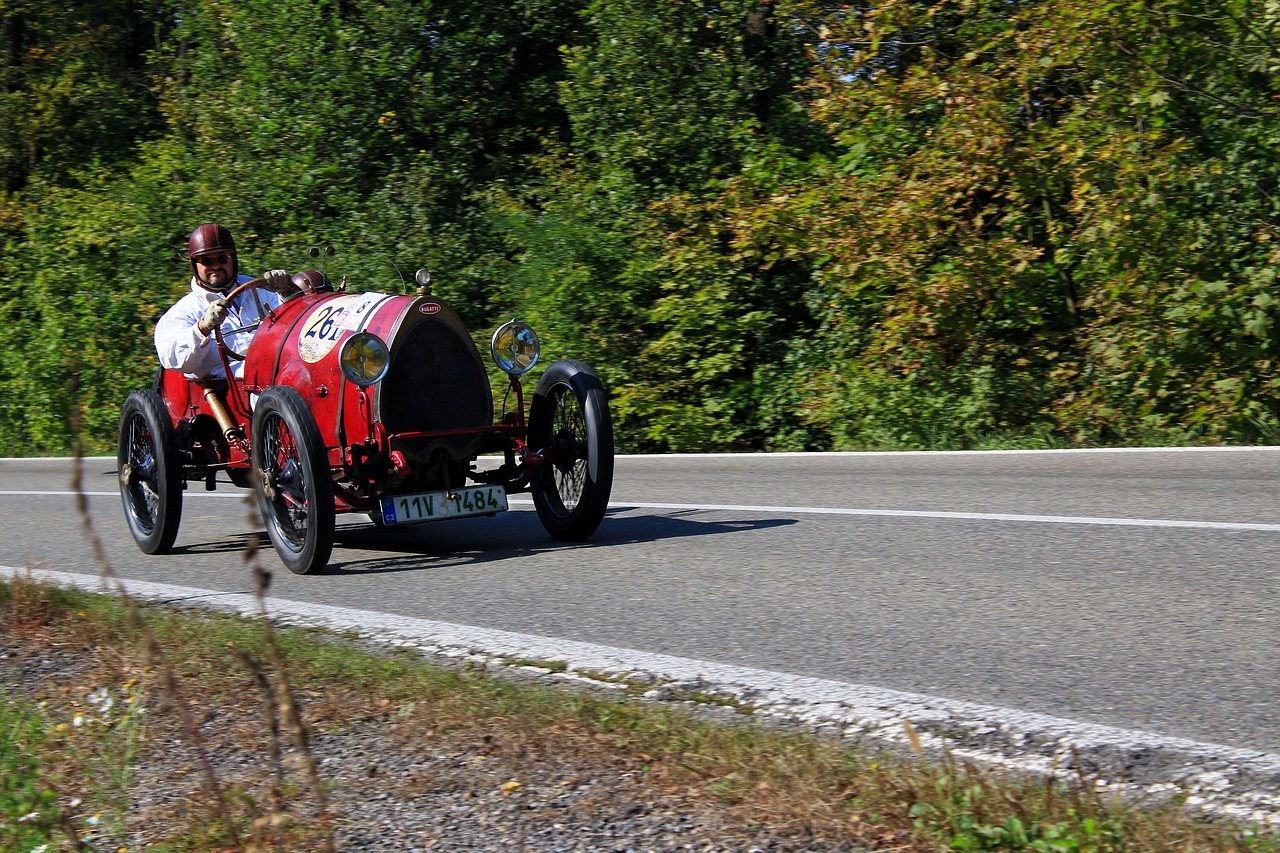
(184, 335)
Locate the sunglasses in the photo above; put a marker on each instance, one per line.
(210, 260)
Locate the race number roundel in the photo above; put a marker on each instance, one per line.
(325, 325)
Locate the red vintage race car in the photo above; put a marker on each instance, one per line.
(367, 403)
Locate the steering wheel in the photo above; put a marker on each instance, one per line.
(217, 332)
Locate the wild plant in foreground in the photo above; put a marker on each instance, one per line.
(94, 743)
(155, 655)
(285, 699)
(281, 697)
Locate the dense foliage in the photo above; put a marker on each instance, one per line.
(770, 225)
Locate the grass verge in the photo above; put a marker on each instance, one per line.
(83, 702)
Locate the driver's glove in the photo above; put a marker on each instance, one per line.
(278, 281)
(213, 317)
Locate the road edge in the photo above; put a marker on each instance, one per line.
(1218, 779)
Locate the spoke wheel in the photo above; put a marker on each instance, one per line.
(292, 482)
(150, 472)
(569, 423)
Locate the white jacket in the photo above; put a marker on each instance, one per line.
(182, 346)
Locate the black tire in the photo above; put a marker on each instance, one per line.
(150, 472)
(569, 420)
(292, 481)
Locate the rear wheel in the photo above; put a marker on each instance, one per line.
(569, 422)
(150, 472)
(292, 482)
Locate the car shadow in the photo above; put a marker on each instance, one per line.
(476, 541)
(235, 544)
(471, 542)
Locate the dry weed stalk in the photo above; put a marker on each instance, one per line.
(273, 724)
(913, 736)
(283, 696)
(286, 699)
(155, 655)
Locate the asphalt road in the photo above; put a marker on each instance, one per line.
(1035, 581)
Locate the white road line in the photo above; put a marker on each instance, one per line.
(1224, 779)
(814, 510)
(854, 454)
(70, 494)
(960, 516)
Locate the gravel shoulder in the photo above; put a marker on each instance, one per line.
(394, 786)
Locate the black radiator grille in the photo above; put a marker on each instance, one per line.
(436, 382)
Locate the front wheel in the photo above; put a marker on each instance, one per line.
(150, 472)
(569, 424)
(292, 482)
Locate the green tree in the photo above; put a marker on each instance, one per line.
(74, 84)
(75, 100)
(780, 225)
(667, 104)
(1051, 216)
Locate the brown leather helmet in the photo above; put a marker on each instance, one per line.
(312, 281)
(211, 239)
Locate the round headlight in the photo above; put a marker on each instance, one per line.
(364, 359)
(515, 347)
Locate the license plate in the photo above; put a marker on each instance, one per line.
(435, 506)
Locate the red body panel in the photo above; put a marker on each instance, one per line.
(299, 343)
(276, 358)
(181, 395)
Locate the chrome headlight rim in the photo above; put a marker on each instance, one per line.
(364, 359)
(515, 347)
